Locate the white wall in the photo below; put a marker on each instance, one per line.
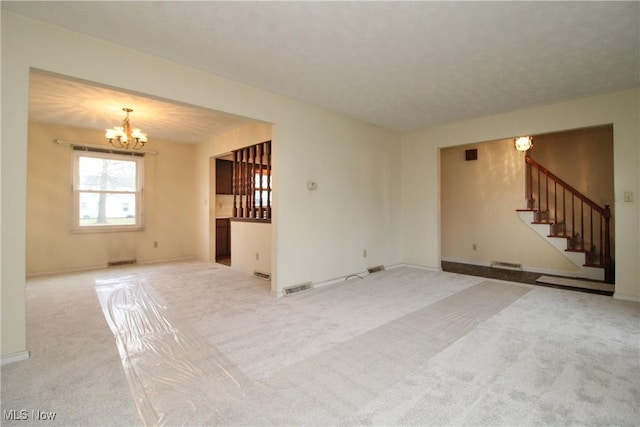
(251, 247)
(318, 236)
(421, 186)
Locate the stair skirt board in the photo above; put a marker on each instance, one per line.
(527, 269)
(560, 244)
(576, 283)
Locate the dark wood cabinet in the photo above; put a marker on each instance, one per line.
(223, 237)
(224, 176)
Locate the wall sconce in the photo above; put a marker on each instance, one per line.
(523, 143)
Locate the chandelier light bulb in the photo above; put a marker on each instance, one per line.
(523, 143)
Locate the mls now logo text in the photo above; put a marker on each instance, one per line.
(23, 415)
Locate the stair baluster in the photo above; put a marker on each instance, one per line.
(595, 255)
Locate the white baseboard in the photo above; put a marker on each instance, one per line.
(622, 297)
(104, 266)
(330, 282)
(66, 271)
(166, 260)
(419, 267)
(14, 357)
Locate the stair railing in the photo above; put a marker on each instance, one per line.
(578, 218)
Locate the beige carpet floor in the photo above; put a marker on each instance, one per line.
(194, 343)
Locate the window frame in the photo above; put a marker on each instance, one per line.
(138, 159)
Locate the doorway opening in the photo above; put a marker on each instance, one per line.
(221, 170)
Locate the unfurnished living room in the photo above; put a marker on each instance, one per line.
(320, 213)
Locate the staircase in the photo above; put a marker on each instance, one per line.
(571, 222)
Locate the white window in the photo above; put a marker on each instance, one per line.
(107, 191)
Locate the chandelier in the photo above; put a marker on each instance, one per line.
(124, 136)
(523, 143)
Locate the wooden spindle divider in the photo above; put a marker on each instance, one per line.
(252, 182)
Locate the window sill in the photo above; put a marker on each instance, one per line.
(106, 229)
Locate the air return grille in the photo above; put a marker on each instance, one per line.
(122, 262)
(297, 288)
(375, 269)
(260, 275)
(506, 265)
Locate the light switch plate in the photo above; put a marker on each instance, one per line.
(312, 185)
(628, 196)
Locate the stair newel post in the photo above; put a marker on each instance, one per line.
(555, 203)
(539, 192)
(591, 229)
(564, 211)
(581, 225)
(608, 264)
(573, 215)
(601, 257)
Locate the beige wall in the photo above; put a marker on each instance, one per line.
(169, 206)
(421, 184)
(583, 158)
(209, 204)
(373, 193)
(317, 236)
(478, 206)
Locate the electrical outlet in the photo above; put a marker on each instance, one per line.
(364, 253)
(475, 246)
(155, 244)
(257, 256)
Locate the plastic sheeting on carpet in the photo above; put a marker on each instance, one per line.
(175, 376)
(179, 379)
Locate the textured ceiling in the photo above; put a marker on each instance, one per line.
(53, 99)
(400, 65)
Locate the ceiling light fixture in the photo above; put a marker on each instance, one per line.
(125, 137)
(523, 143)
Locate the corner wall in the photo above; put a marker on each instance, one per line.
(168, 206)
(319, 235)
(421, 184)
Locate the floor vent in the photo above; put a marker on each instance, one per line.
(260, 275)
(375, 269)
(123, 262)
(297, 288)
(506, 265)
